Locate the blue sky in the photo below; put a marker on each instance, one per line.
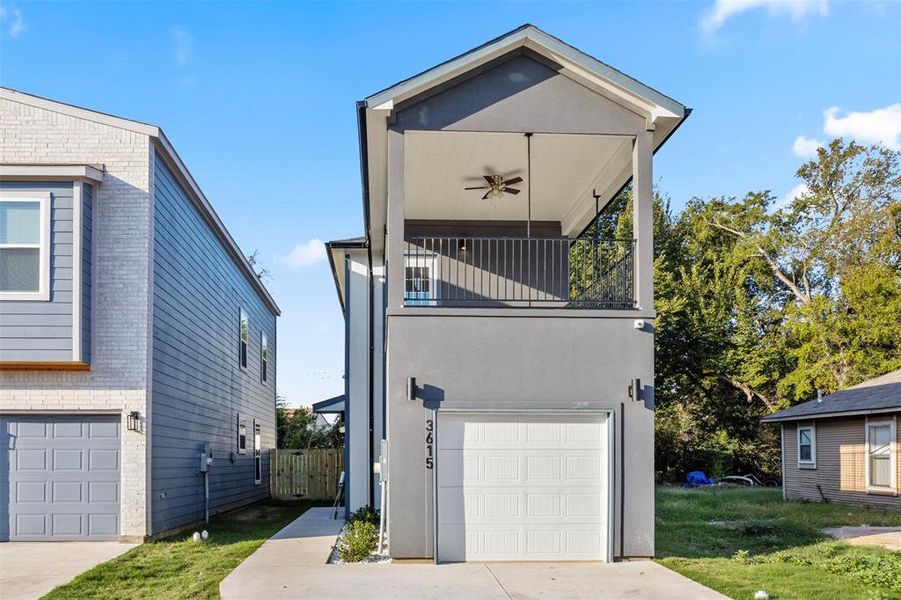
(258, 98)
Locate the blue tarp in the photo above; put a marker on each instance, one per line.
(697, 479)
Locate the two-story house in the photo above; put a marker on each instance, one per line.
(505, 358)
(137, 370)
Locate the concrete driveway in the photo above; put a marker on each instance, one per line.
(292, 565)
(29, 570)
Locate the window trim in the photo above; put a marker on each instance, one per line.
(257, 453)
(243, 344)
(892, 489)
(44, 202)
(241, 420)
(812, 463)
(264, 357)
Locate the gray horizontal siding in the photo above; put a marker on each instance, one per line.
(197, 386)
(42, 330)
(87, 252)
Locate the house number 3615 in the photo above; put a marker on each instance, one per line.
(429, 438)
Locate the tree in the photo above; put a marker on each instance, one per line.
(759, 305)
(256, 264)
(297, 428)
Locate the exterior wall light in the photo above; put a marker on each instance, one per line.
(134, 421)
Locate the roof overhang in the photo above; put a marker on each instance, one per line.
(842, 413)
(336, 250)
(167, 151)
(50, 172)
(331, 406)
(662, 114)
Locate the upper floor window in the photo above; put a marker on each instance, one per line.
(244, 338)
(807, 446)
(264, 357)
(881, 455)
(25, 246)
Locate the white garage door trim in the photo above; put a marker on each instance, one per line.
(608, 450)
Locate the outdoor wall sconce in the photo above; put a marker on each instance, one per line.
(134, 421)
(462, 245)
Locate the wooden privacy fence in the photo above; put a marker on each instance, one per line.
(305, 474)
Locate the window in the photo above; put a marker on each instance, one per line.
(880, 443)
(264, 357)
(25, 247)
(807, 446)
(242, 435)
(257, 454)
(244, 334)
(420, 287)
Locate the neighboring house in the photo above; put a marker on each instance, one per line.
(844, 447)
(133, 332)
(506, 357)
(320, 421)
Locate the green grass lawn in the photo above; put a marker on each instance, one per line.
(179, 568)
(740, 540)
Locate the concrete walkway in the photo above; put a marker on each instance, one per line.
(292, 564)
(29, 570)
(887, 537)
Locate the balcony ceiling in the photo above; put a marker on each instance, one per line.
(565, 170)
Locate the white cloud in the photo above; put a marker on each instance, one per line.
(882, 125)
(806, 147)
(796, 192)
(16, 20)
(182, 45)
(306, 254)
(723, 10)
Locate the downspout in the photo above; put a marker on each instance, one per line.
(364, 179)
(369, 454)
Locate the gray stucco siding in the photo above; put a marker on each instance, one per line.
(42, 330)
(514, 94)
(564, 362)
(198, 388)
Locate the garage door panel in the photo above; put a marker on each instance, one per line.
(63, 478)
(67, 429)
(522, 487)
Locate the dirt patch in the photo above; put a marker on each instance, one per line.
(886, 537)
(258, 513)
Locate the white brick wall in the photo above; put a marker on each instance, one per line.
(118, 379)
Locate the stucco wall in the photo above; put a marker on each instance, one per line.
(121, 244)
(840, 465)
(519, 361)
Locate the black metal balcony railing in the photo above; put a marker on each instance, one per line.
(518, 272)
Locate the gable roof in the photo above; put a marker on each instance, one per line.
(529, 36)
(882, 394)
(663, 115)
(168, 152)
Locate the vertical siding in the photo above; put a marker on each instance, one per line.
(840, 465)
(42, 330)
(87, 253)
(198, 388)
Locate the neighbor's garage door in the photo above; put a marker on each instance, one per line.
(61, 481)
(522, 486)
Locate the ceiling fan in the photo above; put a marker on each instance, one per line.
(497, 186)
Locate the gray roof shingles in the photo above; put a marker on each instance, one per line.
(876, 395)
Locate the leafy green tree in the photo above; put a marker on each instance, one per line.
(297, 428)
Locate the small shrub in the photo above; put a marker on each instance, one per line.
(365, 513)
(742, 556)
(359, 542)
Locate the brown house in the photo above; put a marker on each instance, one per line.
(844, 447)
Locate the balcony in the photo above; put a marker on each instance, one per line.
(519, 272)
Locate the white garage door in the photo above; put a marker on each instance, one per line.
(522, 486)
